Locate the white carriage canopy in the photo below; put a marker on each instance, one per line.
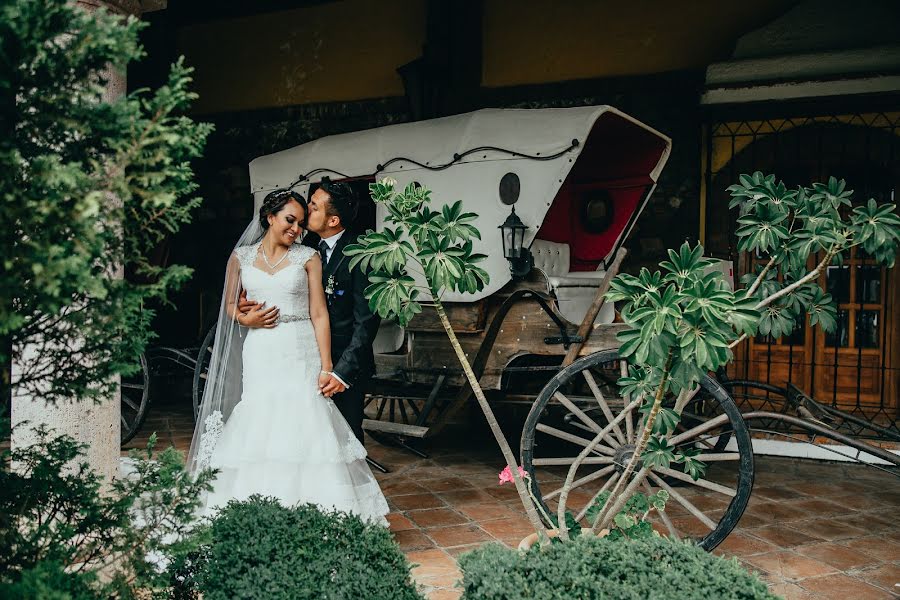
(584, 176)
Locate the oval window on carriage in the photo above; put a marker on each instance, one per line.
(596, 210)
(509, 189)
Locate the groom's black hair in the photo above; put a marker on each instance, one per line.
(342, 202)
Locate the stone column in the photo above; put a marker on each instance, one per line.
(97, 425)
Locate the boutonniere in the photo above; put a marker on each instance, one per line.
(329, 286)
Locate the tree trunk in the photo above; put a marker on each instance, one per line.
(570, 476)
(616, 498)
(511, 461)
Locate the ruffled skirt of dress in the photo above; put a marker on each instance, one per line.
(286, 440)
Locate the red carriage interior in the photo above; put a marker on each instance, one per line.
(604, 191)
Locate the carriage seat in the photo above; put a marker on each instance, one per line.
(574, 290)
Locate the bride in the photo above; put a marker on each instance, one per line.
(263, 422)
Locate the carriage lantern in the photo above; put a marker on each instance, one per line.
(513, 235)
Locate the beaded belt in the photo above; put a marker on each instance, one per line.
(291, 318)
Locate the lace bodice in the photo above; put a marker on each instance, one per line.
(287, 288)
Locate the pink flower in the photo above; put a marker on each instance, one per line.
(506, 475)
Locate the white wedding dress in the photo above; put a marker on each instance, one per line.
(284, 439)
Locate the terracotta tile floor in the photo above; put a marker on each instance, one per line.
(811, 530)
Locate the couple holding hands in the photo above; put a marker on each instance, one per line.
(282, 409)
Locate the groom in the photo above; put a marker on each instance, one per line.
(332, 211)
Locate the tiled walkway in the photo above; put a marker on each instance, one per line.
(812, 530)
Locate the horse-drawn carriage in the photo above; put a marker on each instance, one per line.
(557, 192)
(578, 179)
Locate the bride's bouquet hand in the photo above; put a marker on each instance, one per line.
(260, 317)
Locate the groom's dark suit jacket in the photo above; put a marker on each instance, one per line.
(353, 325)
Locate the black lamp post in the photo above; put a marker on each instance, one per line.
(513, 236)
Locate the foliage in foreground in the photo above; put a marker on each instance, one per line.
(259, 548)
(63, 536)
(683, 318)
(651, 568)
(88, 189)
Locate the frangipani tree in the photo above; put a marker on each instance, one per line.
(684, 320)
(437, 245)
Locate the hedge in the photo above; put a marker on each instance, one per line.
(586, 568)
(260, 549)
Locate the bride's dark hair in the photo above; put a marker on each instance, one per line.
(275, 201)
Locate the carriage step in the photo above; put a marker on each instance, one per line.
(414, 431)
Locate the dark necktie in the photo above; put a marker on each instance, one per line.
(323, 252)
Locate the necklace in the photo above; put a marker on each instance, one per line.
(266, 258)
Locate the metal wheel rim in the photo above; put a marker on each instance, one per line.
(739, 433)
(201, 368)
(134, 402)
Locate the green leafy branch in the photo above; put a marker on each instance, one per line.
(826, 223)
(439, 245)
(90, 189)
(684, 320)
(438, 242)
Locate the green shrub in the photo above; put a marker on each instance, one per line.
(50, 580)
(260, 549)
(646, 569)
(66, 534)
(65, 153)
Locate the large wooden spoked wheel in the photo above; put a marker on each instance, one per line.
(583, 399)
(134, 396)
(201, 368)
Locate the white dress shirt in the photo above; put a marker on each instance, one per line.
(332, 242)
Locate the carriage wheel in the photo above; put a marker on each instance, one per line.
(201, 368)
(702, 408)
(582, 399)
(134, 395)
